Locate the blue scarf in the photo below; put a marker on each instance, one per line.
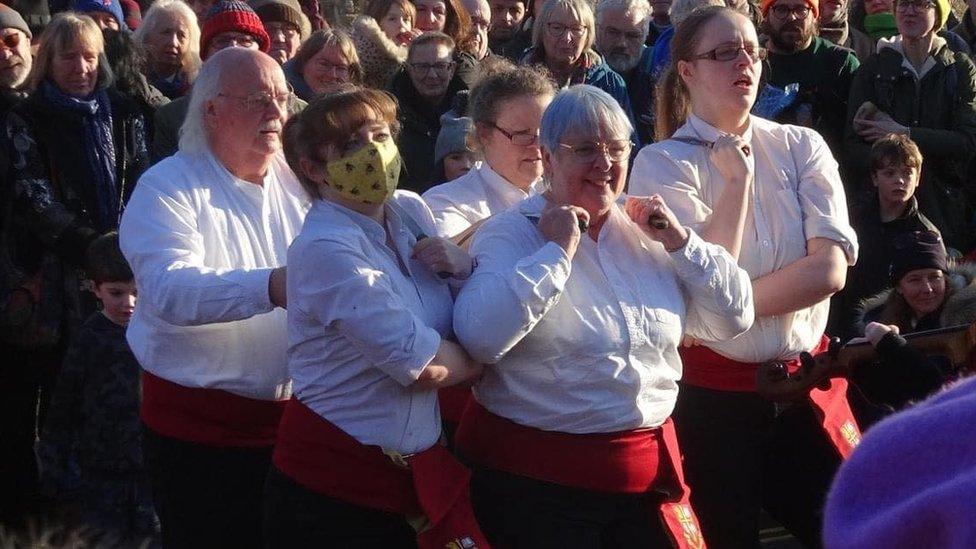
(96, 117)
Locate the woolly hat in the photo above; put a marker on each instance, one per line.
(286, 11)
(132, 13)
(453, 135)
(10, 19)
(943, 8)
(232, 15)
(814, 5)
(912, 481)
(917, 250)
(111, 7)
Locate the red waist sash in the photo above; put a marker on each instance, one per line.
(208, 416)
(705, 368)
(623, 462)
(452, 401)
(325, 459)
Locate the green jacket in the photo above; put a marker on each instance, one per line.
(940, 110)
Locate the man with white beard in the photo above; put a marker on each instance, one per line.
(621, 30)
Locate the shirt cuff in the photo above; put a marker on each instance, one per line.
(554, 258)
(425, 346)
(691, 259)
(254, 285)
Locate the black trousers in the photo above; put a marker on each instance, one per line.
(518, 512)
(206, 496)
(295, 516)
(741, 456)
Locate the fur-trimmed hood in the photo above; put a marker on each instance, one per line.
(960, 303)
(379, 56)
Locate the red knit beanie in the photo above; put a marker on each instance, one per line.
(232, 15)
(766, 4)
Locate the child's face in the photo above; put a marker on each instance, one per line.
(457, 164)
(396, 24)
(896, 183)
(118, 300)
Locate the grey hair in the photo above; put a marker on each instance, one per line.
(580, 8)
(582, 108)
(193, 132)
(681, 9)
(640, 8)
(178, 8)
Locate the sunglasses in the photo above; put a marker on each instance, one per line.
(11, 41)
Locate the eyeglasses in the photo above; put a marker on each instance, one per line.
(522, 139)
(800, 12)
(586, 153)
(915, 5)
(730, 53)
(287, 30)
(558, 30)
(240, 40)
(340, 70)
(11, 41)
(440, 68)
(260, 101)
(616, 34)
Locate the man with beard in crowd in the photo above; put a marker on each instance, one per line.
(506, 18)
(15, 57)
(834, 26)
(823, 71)
(621, 30)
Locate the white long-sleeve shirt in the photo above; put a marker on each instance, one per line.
(797, 195)
(202, 244)
(363, 323)
(590, 345)
(474, 196)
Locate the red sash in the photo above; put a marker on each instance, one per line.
(623, 462)
(432, 483)
(705, 368)
(208, 416)
(452, 401)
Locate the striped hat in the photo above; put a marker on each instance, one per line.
(232, 16)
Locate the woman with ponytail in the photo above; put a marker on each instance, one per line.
(770, 194)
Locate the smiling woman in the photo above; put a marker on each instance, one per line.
(326, 61)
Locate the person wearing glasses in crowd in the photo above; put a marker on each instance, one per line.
(170, 36)
(480, 13)
(424, 90)
(16, 60)
(770, 195)
(915, 85)
(562, 42)
(382, 35)
(358, 462)
(450, 17)
(325, 62)
(206, 233)
(823, 71)
(286, 25)
(621, 31)
(577, 309)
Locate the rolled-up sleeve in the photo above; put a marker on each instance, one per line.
(719, 292)
(516, 283)
(160, 239)
(338, 286)
(822, 200)
(656, 171)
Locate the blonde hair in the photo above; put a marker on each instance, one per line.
(67, 29)
(581, 9)
(177, 8)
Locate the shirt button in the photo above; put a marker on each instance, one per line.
(766, 243)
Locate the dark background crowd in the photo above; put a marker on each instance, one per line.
(94, 92)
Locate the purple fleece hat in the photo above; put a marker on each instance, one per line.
(912, 481)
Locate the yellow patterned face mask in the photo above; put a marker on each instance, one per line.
(369, 175)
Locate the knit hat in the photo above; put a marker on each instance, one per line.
(286, 11)
(111, 7)
(454, 128)
(766, 4)
(917, 250)
(232, 15)
(10, 19)
(912, 480)
(943, 8)
(132, 13)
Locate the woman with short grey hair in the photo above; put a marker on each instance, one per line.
(562, 42)
(577, 308)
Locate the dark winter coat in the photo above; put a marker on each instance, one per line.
(940, 110)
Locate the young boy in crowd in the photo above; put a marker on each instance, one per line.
(896, 165)
(93, 420)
